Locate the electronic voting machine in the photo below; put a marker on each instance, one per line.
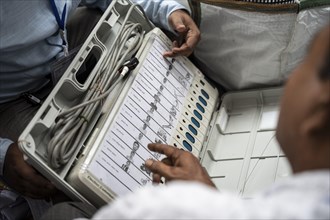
(90, 135)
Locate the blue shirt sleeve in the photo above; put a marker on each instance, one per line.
(158, 11)
(4, 144)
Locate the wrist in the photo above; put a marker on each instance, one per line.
(206, 178)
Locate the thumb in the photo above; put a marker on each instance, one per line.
(178, 24)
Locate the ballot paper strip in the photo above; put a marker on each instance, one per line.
(148, 114)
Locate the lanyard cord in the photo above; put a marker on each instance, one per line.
(61, 24)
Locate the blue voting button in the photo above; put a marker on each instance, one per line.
(195, 122)
(200, 107)
(192, 129)
(205, 94)
(190, 137)
(202, 100)
(187, 146)
(199, 116)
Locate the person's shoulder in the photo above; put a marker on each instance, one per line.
(316, 179)
(171, 201)
(303, 195)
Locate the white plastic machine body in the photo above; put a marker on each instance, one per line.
(154, 106)
(242, 154)
(163, 100)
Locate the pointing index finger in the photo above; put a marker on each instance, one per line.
(162, 148)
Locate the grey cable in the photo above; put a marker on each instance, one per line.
(72, 124)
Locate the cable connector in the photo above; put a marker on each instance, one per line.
(31, 98)
(129, 66)
(124, 71)
(132, 64)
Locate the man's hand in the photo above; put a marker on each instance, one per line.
(188, 31)
(179, 165)
(21, 177)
